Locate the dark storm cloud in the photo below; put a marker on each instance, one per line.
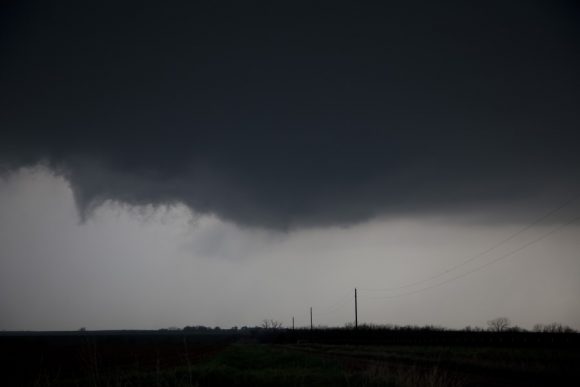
(280, 115)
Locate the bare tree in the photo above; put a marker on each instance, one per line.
(499, 324)
(271, 324)
(554, 327)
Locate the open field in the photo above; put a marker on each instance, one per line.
(456, 366)
(259, 358)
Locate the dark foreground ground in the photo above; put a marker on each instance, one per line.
(282, 359)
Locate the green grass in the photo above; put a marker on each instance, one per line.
(189, 360)
(264, 366)
(339, 365)
(243, 365)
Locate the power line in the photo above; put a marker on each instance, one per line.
(343, 300)
(500, 258)
(337, 305)
(474, 257)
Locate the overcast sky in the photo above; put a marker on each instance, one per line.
(183, 163)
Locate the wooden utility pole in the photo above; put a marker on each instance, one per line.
(310, 318)
(355, 311)
(292, 322)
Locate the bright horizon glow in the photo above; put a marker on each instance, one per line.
(149, 269)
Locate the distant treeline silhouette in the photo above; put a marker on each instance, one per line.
(500, 324)
(543, 335)
(499, 332)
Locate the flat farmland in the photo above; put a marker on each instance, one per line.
(441, 365)
(100, 359)
(259, 358)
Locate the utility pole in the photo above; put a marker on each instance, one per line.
(355, 311)
(292, 322)
(310, 318)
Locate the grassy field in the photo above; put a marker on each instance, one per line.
(222, 360)
(259, 365)
(465, 366)
(234, 365)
